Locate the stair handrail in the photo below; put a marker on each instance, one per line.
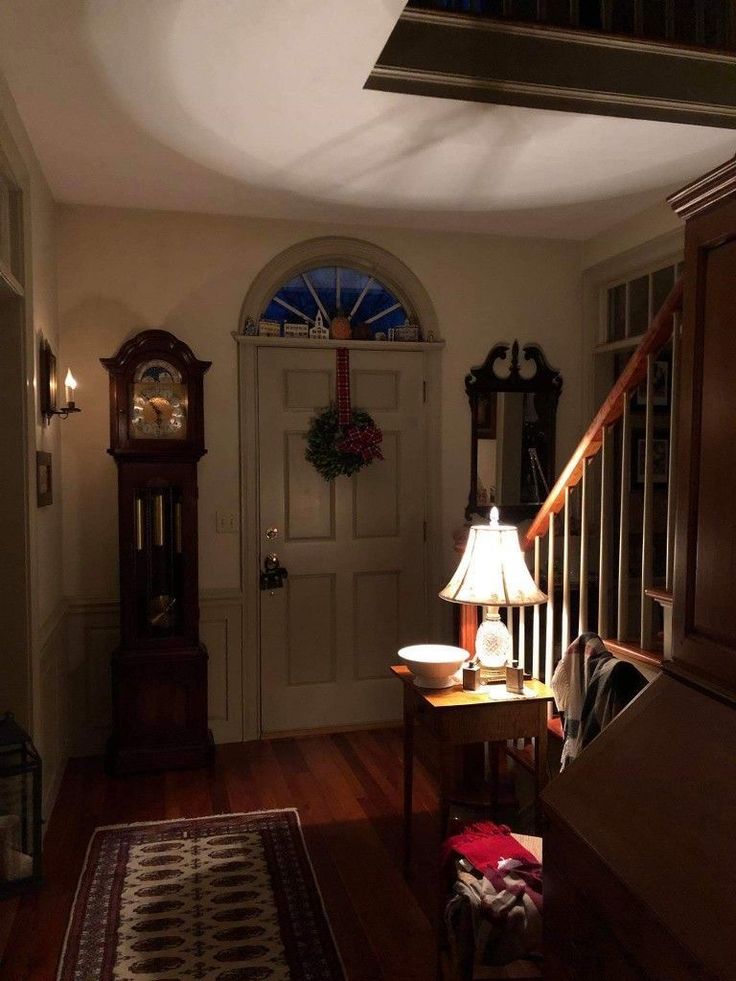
(659, 332)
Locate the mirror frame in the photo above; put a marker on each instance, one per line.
(546, 386)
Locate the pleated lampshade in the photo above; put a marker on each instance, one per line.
(492, 571)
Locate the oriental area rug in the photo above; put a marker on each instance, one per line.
(230, 897)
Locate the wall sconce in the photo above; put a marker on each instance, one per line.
(49, 385)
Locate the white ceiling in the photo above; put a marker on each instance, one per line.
(257, 107)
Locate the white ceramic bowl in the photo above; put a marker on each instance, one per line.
(433, 665)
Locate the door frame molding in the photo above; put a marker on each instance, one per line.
(250, 504)
(18, 429)
(328, 250)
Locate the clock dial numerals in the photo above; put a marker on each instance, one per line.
(158, 405)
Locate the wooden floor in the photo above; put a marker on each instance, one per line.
(348, 789)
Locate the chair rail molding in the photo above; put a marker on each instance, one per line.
(52, 733)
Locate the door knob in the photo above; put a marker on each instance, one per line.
(272, 533)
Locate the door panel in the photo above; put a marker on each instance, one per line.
(376, 620)
(310, 629)
(353, 547)
(376, 497)
(305, 388)
(379, 389)
(309, 504)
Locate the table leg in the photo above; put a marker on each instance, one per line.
(448, 761)
(540, 764)
(409, 713)
(494, 753)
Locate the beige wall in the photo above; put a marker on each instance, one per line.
(654, 223)
(122, 271)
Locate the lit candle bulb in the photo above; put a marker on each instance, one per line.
(70, 384)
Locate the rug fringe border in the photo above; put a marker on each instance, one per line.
(319, 893)
(205, 817)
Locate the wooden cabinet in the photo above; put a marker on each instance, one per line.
(704, 627)
(640, 850)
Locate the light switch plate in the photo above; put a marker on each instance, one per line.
(226, 522)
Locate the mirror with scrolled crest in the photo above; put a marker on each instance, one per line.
(513, 418)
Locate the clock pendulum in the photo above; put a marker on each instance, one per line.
(159, 671)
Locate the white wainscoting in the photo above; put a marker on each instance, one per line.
(50, 713)
(93, 634)
(221, 631)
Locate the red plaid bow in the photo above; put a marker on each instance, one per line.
(363, 441)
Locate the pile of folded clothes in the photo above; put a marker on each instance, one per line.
(494, 914)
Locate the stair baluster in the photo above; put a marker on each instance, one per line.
(622, 620)
(647, 542)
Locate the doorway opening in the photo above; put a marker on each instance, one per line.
(15, 663)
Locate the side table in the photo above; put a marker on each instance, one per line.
(457, 717)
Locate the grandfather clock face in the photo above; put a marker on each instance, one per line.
(158, 402)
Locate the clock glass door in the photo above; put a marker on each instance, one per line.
(158, 547)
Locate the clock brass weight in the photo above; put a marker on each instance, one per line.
(159, 671)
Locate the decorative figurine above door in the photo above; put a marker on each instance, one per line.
(159, 672)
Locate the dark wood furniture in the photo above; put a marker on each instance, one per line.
(641, 825)
(159, 672)
(458, 718)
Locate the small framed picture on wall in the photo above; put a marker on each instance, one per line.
(660, 457)
(660, 388)
(44, 487)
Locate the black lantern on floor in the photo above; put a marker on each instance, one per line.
(20, 808)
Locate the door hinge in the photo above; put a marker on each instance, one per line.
(424, 531)
(424, 391)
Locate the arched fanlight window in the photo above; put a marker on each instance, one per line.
(363, 298)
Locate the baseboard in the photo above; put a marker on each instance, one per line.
(330, 730)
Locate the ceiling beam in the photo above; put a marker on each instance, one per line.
(454, 56)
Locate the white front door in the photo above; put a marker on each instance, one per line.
(353, 547)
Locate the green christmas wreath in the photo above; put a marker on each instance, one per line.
(334, 450)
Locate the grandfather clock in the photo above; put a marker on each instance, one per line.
(159, 672)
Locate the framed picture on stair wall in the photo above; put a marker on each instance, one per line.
(660, 387)
(660, 462)
(44, 488)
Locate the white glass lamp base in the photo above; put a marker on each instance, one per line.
(493, 641)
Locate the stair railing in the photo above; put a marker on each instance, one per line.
(571, 502)
(603, 586)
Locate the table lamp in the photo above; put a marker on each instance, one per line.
(493, 573)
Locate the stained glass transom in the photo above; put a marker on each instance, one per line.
(329, 289)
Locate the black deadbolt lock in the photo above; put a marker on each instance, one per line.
(274, 574)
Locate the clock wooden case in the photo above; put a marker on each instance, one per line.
(159, 672)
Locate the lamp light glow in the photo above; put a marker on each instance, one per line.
(493, 573)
